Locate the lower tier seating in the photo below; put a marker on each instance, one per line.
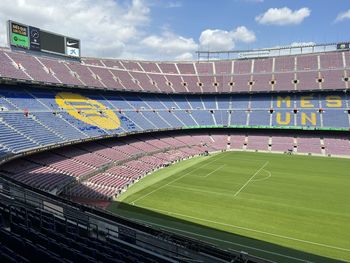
(101, 170)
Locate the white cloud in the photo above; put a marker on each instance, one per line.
(170, 44)
(217, 39)
(343, 16)
(105, 27)
(283, 16)
(138, 12)
(243, 34)
(187, 56)
(116, 29)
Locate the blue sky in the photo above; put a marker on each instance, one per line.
(191, 17)
(175, 29)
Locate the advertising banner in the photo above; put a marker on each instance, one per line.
(19, 35)
(72, 47)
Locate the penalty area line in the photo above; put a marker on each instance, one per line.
(200, 190)
(175, 180)
(250, 179)
(217, 169)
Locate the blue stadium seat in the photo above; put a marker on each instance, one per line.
(31, 118)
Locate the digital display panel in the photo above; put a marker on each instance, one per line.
(52, 43)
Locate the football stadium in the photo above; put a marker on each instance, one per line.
(237, 156)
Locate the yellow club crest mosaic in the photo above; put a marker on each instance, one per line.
(87, 110)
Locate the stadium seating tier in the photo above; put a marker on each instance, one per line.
(32, 118)
(306, 72)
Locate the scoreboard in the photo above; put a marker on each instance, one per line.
(33, 38)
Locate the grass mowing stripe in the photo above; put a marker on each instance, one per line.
(249, 229)
(177, 179)
(224, 241)
(305, 198)
(251, 178)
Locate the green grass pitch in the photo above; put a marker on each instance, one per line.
(285, 208)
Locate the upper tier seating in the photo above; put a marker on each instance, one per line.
(323, 71)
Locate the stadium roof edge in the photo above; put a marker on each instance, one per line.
(269, 49)
(273, 51)
(233, 54)
(305, 49)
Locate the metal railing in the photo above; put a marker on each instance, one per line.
(105, 225)
(203, 55)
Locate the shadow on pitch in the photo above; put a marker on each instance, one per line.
(217, 237)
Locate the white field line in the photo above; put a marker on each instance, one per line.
(251, 178)
(199, 190)
(173, 181)
(265, 178)
(251, 230)
(224, 241)
(246, 159)
(217, 169)
(217, 193)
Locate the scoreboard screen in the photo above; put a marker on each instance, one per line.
(52, 43)
(36, 39)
